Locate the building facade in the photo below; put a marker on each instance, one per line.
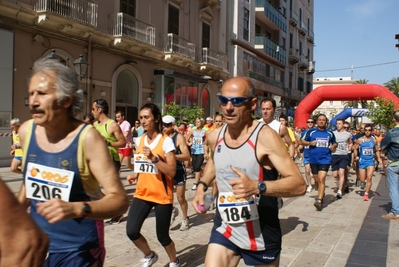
(138, 51)
(271, 42)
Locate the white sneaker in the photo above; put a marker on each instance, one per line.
(175, 212)
(149, 261)
(175, 264)
(194, 187)
(184, 224)
(309, 189)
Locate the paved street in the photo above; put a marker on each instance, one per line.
(347, 232)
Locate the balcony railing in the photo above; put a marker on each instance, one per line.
(130, 27)
(293, 18)
(310, 36)
(178, 45)
(273, 14)
(82, 11)
(302, 28)
(264, 79)
(214, 58)
(271, 48)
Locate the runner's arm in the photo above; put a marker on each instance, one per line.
(116, 131)
(181, 143)
(22, 242)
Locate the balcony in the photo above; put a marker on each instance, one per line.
(264, 79)
(311, 69)
(302, 28)
(180, 46)
(124, 25)
(293, 18)
(303, 62)
(213, 58)
(271, 14)
(310, 36)
(293, 56)
(82, 11)
(271, 48)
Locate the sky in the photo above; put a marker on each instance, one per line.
(359, 33)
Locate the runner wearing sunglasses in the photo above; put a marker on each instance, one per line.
(246, 159)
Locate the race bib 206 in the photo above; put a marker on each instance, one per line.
(44, 183)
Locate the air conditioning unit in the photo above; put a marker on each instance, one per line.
(311, 68)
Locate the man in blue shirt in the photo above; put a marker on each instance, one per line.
(321, 142)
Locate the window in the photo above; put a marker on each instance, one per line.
(128, 7)
(283, 45)
(291, 40)
(300, 17)
(308, 54)
(300, 48)
(300, 84)
(173, 20)
(246, 25)
(290, 80)
(206, 34)
(308, 24)
(257, 30)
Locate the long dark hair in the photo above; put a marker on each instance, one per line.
(156, 112)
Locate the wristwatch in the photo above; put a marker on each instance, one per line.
(155, 160)
(86, 209)
(262, 187)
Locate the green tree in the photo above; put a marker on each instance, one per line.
(393, 85)
(381, 112)
(176, 111)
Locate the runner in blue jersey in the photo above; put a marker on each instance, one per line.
(365, 149)
(65, 161)
(306, 162)
(321, 142)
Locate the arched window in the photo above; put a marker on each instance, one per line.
(127, 88)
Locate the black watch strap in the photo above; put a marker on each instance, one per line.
(204, 184)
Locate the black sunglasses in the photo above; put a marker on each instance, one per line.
(310, 121)
(236, 101)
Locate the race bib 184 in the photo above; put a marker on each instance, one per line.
(44, 183)
(235, 210)
(142, 164)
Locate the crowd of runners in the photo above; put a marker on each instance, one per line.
(250, 165)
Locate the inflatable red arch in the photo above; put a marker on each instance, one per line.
(348, 92)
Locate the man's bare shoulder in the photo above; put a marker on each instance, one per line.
(213, 135)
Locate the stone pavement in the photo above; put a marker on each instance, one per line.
(347, 232)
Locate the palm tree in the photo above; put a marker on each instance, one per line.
(363, 102)
(393, 85)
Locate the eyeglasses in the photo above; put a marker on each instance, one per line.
(310, 121)
(235, 101)
(167, 124)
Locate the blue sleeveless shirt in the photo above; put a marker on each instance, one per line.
(69, 235)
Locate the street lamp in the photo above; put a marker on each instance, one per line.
(81, 66)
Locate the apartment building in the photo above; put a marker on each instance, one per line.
(271, 42)
(137, 51)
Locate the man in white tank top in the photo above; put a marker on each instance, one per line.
(268, 108)
(246, 165)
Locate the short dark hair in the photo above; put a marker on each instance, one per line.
(282, 116)
(120, 112)
(396, 115)
(269, 99)
(88, 116)
(341, 119)
(102, 103)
